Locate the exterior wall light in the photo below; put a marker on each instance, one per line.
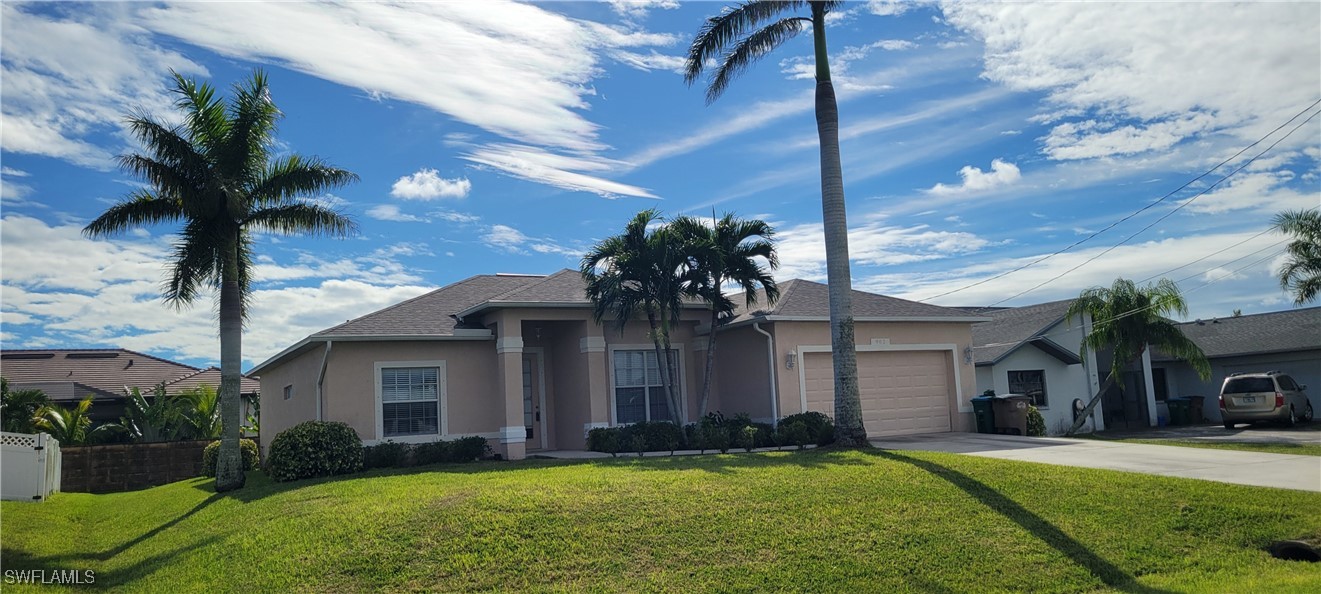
(789, 360)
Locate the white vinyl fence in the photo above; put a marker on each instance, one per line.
(29, 466)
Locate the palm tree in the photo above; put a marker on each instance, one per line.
(726, 252)
(202, 412)
(1130, 319)
(638, 272)
(158, 418)
(69, 425)
(216, 174)
(733, 41)
(1301, 273)
(19, 408)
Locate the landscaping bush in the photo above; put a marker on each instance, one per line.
(714, 437)
(820, 429)
(468, 449)
(433, 452)
(604, 439)
(638, 444)
(314, 448)
(795, 433)
(747, 438)
(248, 451)
(385, 455)
(1036, 425)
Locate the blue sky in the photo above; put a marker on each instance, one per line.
(508, 137)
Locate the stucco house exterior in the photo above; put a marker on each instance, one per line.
(518, 359)
(1034, 350)
(1287, 341)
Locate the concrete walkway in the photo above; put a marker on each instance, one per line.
(1284, 471)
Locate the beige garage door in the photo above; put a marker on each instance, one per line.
(902, 392)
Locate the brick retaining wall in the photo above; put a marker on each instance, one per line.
(125, 467)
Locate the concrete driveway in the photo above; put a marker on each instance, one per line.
(1308, 433)
(1283, 471)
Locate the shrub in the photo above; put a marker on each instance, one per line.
(247, 450)
(795, 433)
(692, 436)
(604, 439)
(385, 455)
(468, 449)
(1036, 425)
(433, 452)
(714, 437)
(638, 444)
(748, 438)
(662, 436)
(820, 429)
(314, 448)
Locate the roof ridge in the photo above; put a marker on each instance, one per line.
(544, 278)
(404, 302)
(103, 350)
(789, 286)
(1252, 315)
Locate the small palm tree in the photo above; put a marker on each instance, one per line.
(158, 418)
(69, 425)
(1130, 319)
(217, 176)
(19, 408)
(1301, 273)
(202, 412)
(734, 40)
(637, 272)
(730, 251)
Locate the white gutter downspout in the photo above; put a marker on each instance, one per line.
(321, 377)
(770, 361)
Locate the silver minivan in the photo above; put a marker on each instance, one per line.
(1268, 396)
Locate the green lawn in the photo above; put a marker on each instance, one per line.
(817, 521)
(1299, 449)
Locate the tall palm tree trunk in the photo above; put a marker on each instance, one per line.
(662, 361)
(1096, 399)
(229, 469)
(849, 429)
(710, 365)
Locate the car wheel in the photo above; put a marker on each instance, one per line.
(1229, 425)
(1293, 418)
(1307, 413)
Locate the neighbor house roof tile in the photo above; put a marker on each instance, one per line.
(1273, 332)
(807, 299)
(1010, 328)
(105, 371)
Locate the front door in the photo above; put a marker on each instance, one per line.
(532, 399)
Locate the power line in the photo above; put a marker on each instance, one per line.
(1166, 215)
(1215, 253)
(1137, 212)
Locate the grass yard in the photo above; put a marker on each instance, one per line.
(816, 521)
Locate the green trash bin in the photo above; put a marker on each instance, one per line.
(1195, 412)
(1178, 411)
(985, 414)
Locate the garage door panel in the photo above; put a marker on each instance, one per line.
(901, 391)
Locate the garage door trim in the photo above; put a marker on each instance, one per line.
(952, 349)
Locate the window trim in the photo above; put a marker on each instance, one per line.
(289, 392)
(442, 397)
(677, 347)
(1045, 388)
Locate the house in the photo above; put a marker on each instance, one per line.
(70, 375)
(1034, 350)
(1288, 341)
(519, 360)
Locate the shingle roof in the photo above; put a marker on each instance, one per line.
(807, 299)
(104, 371)
(565, 286)
(1279, 331)
(431, 314)
(1010, 328)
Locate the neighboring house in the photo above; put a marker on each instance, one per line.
(518, 359)
(70, 375)
(1034, 350)
(1288, 341)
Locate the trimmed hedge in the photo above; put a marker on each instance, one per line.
(820, 429)
(394, 455)
(313, 449)
(248, 450)
(713, 432)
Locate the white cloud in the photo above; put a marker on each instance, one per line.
(1255, 191)
(427, 184)
(1146, 76)
(563, 171)
(391, 212)
(652, 60)
(634, 10)
(508, 239)
(11, 172)
(802, 248)
(1002, 173)
(462, 218)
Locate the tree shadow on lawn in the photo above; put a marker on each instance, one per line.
(1104, 570)
(110, 553)
(15, 560)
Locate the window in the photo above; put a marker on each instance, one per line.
(639, 393)
(288, 391)
(410, 401)
(1032, 383)
(1287, 383)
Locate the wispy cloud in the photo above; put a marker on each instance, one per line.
(563, 171)
(391, 212)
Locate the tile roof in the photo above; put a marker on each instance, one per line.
(211, 377)
(807, 299)
(1010, 328)
(102, 371)
(1273, 332)
(431, 314)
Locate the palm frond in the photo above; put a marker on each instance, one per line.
(718, 32)
(204, 115)
(748, 51)
(167, 146)
(140, 208)
(302, 218)
(1301, 272)
(197, 263)
(252, 117)
(294, 176)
